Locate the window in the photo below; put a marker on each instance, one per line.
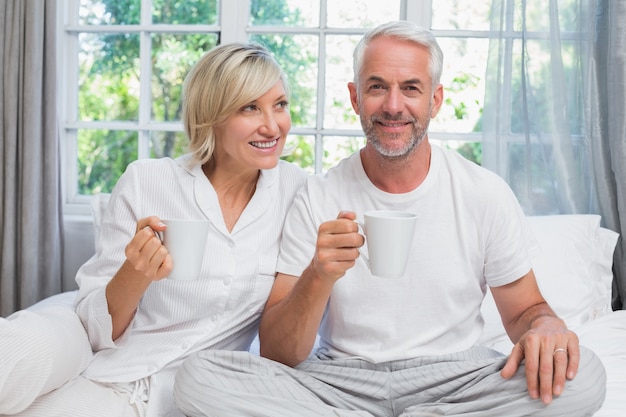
(123, 63)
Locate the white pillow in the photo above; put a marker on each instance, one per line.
(99, 204)
(573, 271)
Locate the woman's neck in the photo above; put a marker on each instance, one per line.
(234, 190)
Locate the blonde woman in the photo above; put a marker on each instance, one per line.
(141, 325)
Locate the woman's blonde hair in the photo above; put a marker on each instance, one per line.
(224, 80)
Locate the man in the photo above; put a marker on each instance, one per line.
(404, 346)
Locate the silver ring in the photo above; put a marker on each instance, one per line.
(559, 350)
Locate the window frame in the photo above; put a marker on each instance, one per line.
(237, 11)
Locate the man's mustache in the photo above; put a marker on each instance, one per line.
(388, 117)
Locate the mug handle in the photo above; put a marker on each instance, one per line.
(360, 249)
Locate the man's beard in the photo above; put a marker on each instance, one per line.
(416, 137)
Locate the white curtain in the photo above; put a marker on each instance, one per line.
(30, 204)
(554, 109)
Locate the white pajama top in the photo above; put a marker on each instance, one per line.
(220, 310)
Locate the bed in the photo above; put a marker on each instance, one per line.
(574, 274)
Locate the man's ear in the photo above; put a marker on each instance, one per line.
(353, 97)
(437, 100)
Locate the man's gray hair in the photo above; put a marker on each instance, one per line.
(404, 30)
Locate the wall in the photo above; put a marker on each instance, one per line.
(79, 247)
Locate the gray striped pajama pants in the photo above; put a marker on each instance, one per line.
(240, 384)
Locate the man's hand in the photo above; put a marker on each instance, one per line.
(337, 246)
(551, 354)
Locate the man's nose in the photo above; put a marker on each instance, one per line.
(393, 101)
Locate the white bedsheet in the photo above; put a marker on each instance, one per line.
(606, 336)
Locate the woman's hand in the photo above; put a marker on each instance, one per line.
(146, 253)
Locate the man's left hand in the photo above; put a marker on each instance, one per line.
(551, 353)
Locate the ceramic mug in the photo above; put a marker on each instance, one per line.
(388, 236)
(185, 240)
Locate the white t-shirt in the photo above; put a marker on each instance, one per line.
(470, 232)
(176, 318)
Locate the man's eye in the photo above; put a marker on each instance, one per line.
(377, 89)
(412, 91)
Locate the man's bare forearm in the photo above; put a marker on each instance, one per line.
(530, 317)
(289, 328)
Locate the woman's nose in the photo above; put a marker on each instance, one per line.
(269, 126)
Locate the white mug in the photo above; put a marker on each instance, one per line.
(388, 235)
(185, 240)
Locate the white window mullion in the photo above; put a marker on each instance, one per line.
(417, 11)
(145, 94)
(321, 100)
(67, 91)
(319, 153)
(234, 18)
(145, 71)
(67, 63)
(321, 89)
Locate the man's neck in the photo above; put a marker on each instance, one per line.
(397, 175)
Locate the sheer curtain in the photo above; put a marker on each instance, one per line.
(30, 204)
(554, 109)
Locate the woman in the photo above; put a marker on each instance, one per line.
(141, 325)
